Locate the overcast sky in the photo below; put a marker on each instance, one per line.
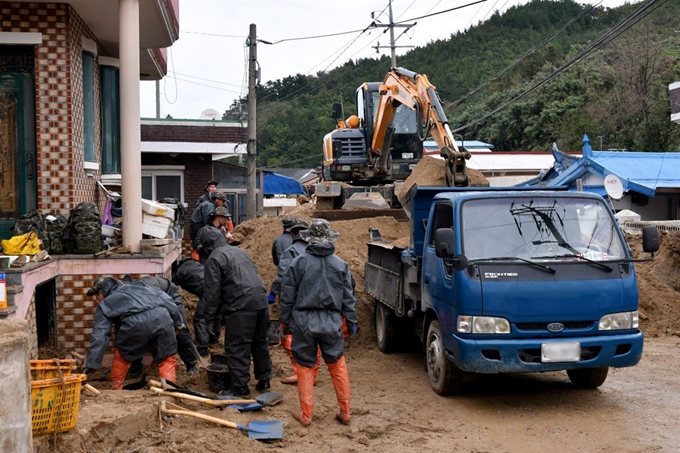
(207, 66)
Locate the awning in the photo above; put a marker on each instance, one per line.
(281, 185)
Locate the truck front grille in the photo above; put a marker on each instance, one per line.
(543, 326)
(353, 147)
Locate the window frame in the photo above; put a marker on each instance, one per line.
(164, 170)
(88, 75)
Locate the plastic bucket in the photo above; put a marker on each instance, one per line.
(218, 359)
(218, 378)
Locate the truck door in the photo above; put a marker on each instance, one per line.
(438, 284)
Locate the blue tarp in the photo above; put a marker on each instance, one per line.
(281, 185)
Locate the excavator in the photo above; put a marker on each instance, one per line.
(369, 154)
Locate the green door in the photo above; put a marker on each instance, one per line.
(18, 186)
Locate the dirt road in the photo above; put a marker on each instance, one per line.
(394, 410)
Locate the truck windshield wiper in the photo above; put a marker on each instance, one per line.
(511, 258)
(572, 255)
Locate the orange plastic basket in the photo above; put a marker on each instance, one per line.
(49, 369)
(55, 404)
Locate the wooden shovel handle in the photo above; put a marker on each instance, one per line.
(91, 390)
(215, 403)
(178, 410)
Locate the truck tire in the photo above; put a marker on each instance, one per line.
(445, 376)
(588, 378)
(386, 331)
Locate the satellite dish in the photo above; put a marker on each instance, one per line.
(613, 186)
(210, 114)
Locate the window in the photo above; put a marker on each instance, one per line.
(159, 183)
(110, 99)
(443, 218)
(88, 106)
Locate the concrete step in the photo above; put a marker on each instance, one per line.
(12, 291)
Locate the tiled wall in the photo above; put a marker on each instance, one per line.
(62, 181)
(75, 312)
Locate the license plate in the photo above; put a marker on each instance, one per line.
(561, 351)
(407, 155)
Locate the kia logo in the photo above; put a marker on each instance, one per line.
(556, 327)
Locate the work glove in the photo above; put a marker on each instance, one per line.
(271, 298)
(353, 328)
(180, 328)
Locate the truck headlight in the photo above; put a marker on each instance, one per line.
(482, 324)
(619, 321)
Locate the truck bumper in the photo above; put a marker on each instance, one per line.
(523, 356)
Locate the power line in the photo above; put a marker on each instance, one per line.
(527, 54)
(617, 30)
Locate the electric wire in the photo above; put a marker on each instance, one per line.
(621, 27)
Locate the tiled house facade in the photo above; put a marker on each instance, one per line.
(43, 45)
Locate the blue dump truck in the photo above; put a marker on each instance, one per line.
(509, 281)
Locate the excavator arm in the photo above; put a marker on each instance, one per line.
(404, 87)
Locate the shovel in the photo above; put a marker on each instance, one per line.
(266, 399)
(174, 387)
(260, 430)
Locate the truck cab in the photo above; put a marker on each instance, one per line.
(507, 280)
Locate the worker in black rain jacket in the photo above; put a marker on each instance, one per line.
(234, 288)
(201, 215)
(296, 249)
(316, 292)
(144, 317)
(284, 240)
(185, 344)
(209, 188)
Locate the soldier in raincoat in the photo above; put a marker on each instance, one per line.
(235, 291)
(144, 317)
(316, 292)
(284, 240)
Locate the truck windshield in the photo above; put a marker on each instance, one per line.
(540, 228)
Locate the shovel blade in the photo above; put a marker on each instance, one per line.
(247, 407)
(270, 398)
(265, 430)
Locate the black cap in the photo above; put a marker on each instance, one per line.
(210, 183)
(103, 284)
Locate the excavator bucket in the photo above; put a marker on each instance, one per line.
(367, 200)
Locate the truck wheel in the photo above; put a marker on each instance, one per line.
(445, 377)
(385, 329)
(588, 378)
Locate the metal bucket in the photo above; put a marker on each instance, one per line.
(218, 377)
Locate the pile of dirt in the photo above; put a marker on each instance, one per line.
(431, 172)
(257, 235)
(658, 285)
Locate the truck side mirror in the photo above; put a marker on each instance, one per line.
(444, 243)
(650, 239)
(445, 247)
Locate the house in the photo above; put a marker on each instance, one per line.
(501, 168)
(69, 118)
(647, 183)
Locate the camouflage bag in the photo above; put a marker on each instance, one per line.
(83, 232)
(33, 220)
(55, 232)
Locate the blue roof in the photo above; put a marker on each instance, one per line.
(281, 185)
(469, 144)
(642, 172)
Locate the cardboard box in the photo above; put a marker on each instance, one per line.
(155, 226)
(157, 209)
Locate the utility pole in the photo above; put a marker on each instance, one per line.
(391, 26)
(600, 137)
(158, 98)
(251, 164)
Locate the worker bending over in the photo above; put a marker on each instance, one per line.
(144, 317)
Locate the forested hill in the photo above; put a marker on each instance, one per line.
(618, 90)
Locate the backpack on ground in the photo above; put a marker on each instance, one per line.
(83, 232)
